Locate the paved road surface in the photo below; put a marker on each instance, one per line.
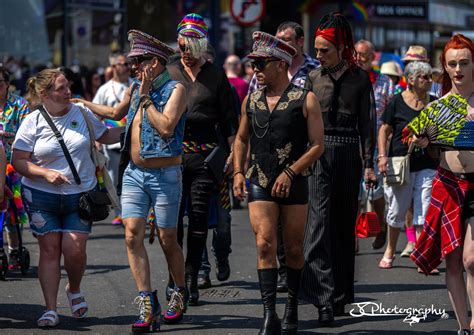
(232, 307)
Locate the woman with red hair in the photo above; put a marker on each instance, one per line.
(448, 230)
(347, 105)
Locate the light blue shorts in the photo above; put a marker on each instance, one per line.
(159, 189)
(54, 213)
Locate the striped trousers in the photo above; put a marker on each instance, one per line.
(329, 241)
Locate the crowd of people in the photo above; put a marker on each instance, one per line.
(304, 140)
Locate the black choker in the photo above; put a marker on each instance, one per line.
(334, 69)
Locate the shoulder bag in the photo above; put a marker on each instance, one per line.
(100, 162)
(93, 204)
(398, 169)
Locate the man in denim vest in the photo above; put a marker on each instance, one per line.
(154, 107)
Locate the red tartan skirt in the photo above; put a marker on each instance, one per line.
(443, 229)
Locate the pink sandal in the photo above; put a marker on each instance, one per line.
(386, 263)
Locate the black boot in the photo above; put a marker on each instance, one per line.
(268, 281)
(192, 285)
(290, 318)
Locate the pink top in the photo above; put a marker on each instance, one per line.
(241, 86)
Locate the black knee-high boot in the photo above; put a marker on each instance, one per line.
(290, 319)
(268, 284)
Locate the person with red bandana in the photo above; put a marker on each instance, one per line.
(347, 105)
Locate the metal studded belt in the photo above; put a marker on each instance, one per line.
(341, 139)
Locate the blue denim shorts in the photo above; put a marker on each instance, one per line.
(159, 189)
(51, 212)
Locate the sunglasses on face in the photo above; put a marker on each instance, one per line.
(182, 47)
(139, 59)
(426, 77)
(126, 64)
(259, 64)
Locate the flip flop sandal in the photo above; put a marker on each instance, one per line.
(408, 250)
(386, 263)
(77, 307)
(434, 272)
(48, 319)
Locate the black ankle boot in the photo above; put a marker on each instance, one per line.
(268, 282)
(290, 318)
(192, 285)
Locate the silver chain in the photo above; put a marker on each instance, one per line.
(266, 126)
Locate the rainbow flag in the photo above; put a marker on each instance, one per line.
(359, 11)
(16, 209)
(109, 123)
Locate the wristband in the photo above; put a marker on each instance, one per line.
(147, 103)
(238, 172)
(290, 173)
(290, 170)
(143, 97)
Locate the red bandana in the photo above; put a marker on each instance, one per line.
(328, 34)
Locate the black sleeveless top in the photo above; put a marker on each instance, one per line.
(277, 139)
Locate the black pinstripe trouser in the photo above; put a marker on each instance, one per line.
(329, 243)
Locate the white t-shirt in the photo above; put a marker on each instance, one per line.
(36, 136)
(111, 94)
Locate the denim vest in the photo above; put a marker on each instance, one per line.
(152, 144)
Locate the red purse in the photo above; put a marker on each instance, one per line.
(367, 224)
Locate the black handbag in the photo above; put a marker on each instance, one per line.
(93, 205)
(215, 163)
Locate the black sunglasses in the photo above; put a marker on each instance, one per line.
(182, 47)
(426, 77)
(124, 64)
(259, 64)
(139, 59)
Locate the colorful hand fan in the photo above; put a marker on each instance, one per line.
(444, 123)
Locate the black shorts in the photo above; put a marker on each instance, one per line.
(468, 208)
(298, 193)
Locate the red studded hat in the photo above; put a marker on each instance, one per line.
(268, 46)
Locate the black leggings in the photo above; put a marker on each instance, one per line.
(197, 190)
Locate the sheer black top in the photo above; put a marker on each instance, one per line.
(209, 102)
(347, 106)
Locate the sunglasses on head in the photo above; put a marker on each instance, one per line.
(260, 63)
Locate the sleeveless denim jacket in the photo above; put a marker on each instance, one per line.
(152, 144)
